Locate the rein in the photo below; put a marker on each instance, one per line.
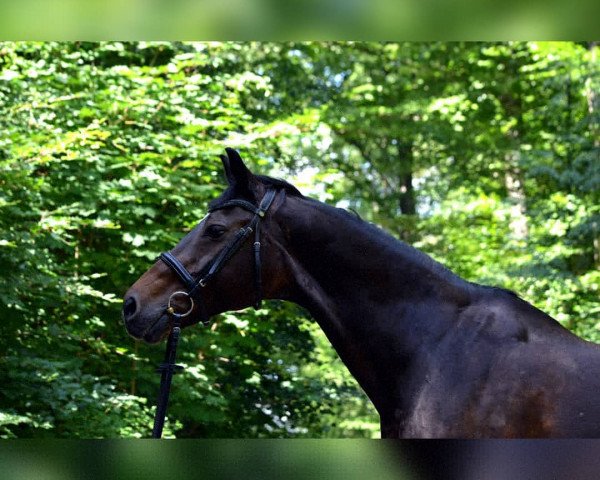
(194, 286)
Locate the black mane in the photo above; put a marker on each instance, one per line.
(279, 184)
(231, 193)
(389, 242)
(380, 236)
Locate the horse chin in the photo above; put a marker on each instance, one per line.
(158, 331)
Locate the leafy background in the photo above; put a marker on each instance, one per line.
(483, 155)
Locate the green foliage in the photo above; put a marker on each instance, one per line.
(483, 155)
(63, 401)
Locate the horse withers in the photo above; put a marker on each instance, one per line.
(439, 357)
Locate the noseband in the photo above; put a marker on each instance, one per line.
(193, 293)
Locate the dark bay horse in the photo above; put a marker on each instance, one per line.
(440, 357)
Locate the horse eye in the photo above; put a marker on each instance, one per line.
(215, 231)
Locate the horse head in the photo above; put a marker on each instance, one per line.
(220, 264)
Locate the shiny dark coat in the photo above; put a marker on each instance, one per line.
(440, 357)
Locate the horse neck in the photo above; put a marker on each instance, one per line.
(362, 287)
(355, 265)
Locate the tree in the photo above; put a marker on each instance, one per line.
(108, 155)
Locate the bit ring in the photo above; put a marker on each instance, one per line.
(171, 310)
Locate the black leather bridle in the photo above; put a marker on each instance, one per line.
(194, 287)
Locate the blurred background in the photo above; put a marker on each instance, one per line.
(298, 19)
(301, 459)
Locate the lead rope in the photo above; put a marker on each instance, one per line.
(257, 266)
(168, 368)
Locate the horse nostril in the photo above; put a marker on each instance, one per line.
(129, 308)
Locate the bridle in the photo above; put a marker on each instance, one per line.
(194, 286)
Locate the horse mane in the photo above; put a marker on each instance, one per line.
(230, 193)
(279, 184)
(389, 242)
(385, 239)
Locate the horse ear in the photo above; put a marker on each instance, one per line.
(227, 168)
(236, 172)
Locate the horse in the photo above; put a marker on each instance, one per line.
(438, 356)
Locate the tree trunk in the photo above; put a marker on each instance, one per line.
(591, 102)
(513, 178)
(407, 200)
(516, 195)
(591, 95)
